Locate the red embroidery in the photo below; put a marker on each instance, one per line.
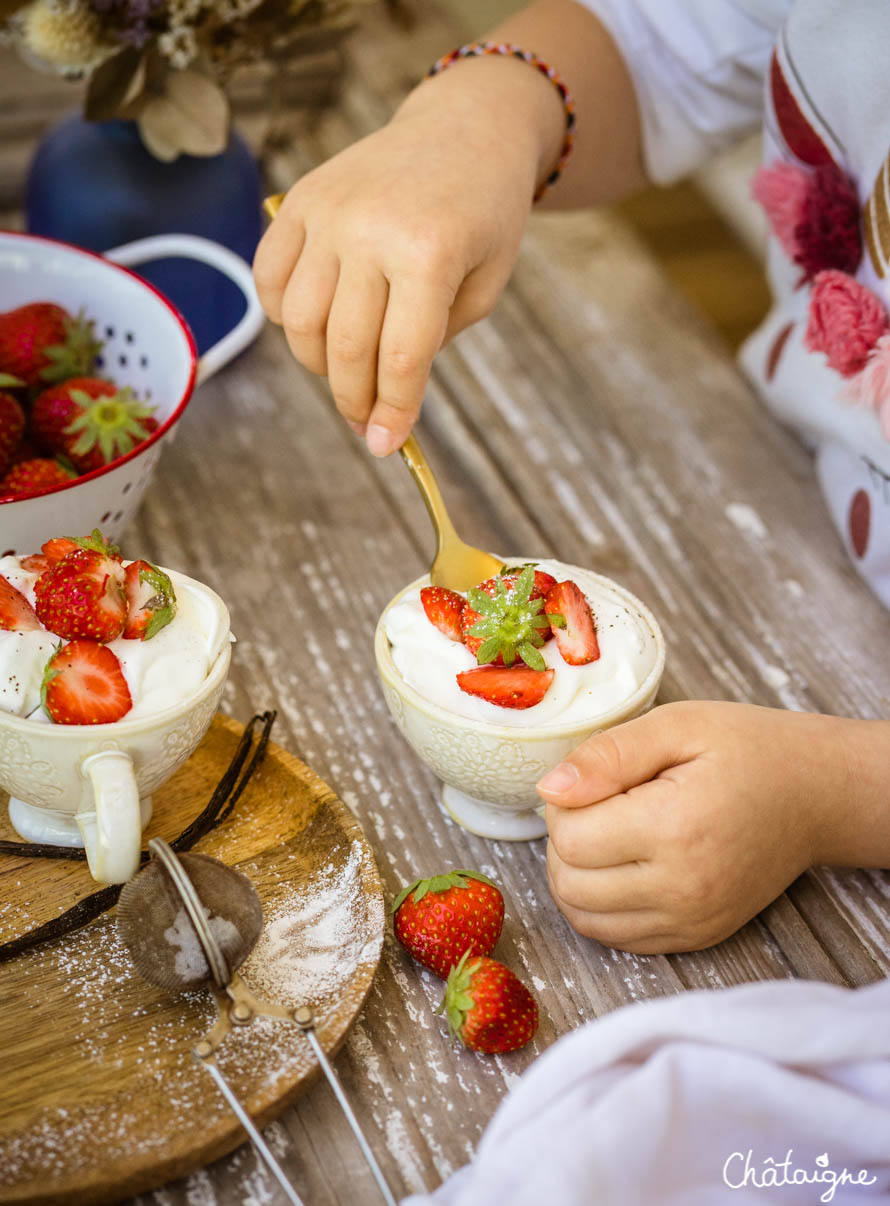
(800, 137)
(859, 522)
(772, 360)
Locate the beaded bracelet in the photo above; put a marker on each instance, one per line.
(475, 49)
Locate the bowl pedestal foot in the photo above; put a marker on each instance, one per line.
(492, 820)
(48, 827)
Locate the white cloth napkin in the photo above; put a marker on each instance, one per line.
(728, 1096)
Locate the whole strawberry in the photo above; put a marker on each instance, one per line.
(12, 428)
(25, 478)
(90, 421)
(487, 1007)
(83, 594)
(440, 919)
(42, 342)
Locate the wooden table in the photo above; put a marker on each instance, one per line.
(595, 418)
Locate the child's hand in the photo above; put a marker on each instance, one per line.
(674, 829)
(387, 250)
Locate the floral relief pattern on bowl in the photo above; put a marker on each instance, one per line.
(489, 770)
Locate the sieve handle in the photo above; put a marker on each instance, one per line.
(193, 247)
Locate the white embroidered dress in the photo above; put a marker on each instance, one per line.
(814, 73)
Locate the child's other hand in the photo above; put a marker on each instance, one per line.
(682, 824)
(392, 246)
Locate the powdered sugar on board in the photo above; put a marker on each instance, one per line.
(124, 1085)
(315, 936)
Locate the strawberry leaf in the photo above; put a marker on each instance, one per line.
(532, 657)
(508, 619)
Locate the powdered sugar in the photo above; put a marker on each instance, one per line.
(316, 936)
(190, 963)
(123, 1084)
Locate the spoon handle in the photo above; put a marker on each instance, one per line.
(429, 489)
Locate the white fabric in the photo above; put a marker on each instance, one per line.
(662, 1102)
(697, 68)
(701, 73)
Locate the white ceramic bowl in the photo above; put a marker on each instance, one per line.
(489, 771)
(148, 346)
(91, 785)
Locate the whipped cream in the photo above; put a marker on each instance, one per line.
(160, 672)
(429, 661)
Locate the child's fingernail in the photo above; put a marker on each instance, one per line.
(560, 780)
(358, 428)
(380, 440)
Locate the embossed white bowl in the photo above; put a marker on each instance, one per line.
(489, 771)
(91, 785)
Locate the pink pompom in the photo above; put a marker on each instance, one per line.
(828, 233)
(846, 320)
(782, 189)
(871, 387)
(814, 213)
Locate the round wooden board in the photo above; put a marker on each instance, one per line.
(100, 1097)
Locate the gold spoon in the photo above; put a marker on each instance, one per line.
(456, 565)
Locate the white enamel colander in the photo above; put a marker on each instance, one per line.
(148, 346)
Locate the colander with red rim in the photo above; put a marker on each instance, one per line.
(147, 345)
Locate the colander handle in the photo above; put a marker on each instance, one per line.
(193, 247)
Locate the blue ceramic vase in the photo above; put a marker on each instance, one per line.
(95, 184)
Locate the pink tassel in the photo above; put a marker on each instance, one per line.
(828, 234)
(871, 387)
(846, 321)
(782, 191)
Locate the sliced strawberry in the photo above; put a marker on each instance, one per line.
(83, 684)
(543, 583)
(16, 613)
(35, 563)
(57, 548)
(468, 618)
(506, 686)
(151, 600)
(444, 608)
(83, 596)
(575, 633)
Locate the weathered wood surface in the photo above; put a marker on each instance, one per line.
(100, 1094)
(592, 417)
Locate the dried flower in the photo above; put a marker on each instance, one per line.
(66, 34)
(161, 63)
(179, 45)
